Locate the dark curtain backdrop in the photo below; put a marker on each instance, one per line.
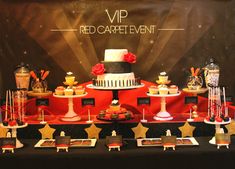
(26, 35)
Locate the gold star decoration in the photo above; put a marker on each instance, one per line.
(140, 131)
(231, 128)
(3, 132)
(187, 130)
(47, 132)
(93, 131)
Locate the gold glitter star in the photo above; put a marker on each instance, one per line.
(3, 132)
(187, 130)
(231, 127)
(47, 132)
(140, 131)
(93, 131)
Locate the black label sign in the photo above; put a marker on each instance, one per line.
(88, 101)
(228, 98)
(143, 101)
(8, 142)
(62, 140)
(190, 99)
(42, 102)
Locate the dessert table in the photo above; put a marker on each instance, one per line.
(205, 156)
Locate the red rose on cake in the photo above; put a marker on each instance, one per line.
(98, 69)
(130, 58)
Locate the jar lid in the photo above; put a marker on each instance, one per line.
(22, 68)
(212, 65)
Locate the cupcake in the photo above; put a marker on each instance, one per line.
(153, 90)
(70, 78)
(79, 90)
(163, 78)
(163, 89)
(173, 89)
(68, 92)
(59, 90)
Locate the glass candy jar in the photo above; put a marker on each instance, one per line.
(22, 76)
(39, 86)
(194, 82)
(211, 73)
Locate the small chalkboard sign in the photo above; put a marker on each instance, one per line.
(168, 140)
(190, 99)
(8, 142)
(228, 98)
(42, 102)
(222, 138)
(88, 101)
(143, 101)
(114, 140)
(62, 141)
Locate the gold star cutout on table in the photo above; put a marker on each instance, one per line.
(231, 127)
(3, 132)
(140, 131)
(93, 131)
(47, 132)
(187, 130)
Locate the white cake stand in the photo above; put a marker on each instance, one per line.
(163, 114)
(217, 128)
(14, 133)
(70, 115)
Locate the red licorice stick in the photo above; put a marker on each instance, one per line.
(192, 71)
(33, 74)
(197, 71)
(45, 75)
(42, 71)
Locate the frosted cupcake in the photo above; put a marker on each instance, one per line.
(79, 90)
(163, 78)
(173, 89)
(163, 89)
(69, 78)
(68, 92)
(153, 90)
(59, 90)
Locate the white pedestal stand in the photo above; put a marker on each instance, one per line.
(217, 128)
(14, 133)
(163, 114)
(190, 119)
(70, 115)
(143, 120)
(89, 117)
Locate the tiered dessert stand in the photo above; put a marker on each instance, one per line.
(163, 115)
(70, 115)
(14, 133)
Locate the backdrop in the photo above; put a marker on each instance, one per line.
(68, 35)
